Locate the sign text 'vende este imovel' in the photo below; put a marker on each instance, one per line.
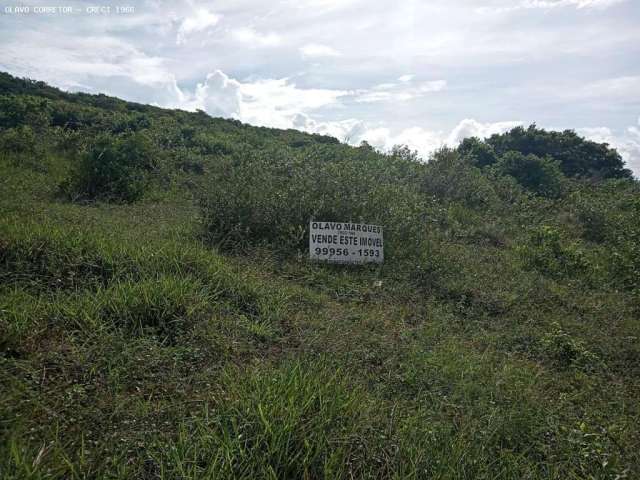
(345, 242)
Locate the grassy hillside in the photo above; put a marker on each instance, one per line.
(159, 317)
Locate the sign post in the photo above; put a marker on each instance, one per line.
(345, 242)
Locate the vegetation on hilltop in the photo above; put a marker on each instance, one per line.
(159, 317)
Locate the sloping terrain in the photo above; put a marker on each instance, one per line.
(159, 317)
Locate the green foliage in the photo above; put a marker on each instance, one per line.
(578, 157)
(19, 140)
(479, 153)
(626, 253)
(129, 123)
(210, 144)
(540, 175)
(269, 198)
(451, 178)
(549, 252)
(610, 217)
(189, 162)
(566, 351)
(17, 111)
(113, 169)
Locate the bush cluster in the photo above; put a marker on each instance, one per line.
(549, 252)
(269, 198)
(112, 169)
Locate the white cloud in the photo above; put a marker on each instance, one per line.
(510, 6)
(253, 38)
(219, 96)
(323, 5)
(406, 78)
(398, 92)
(434, 86)
(200, 20)
(312, 50)
(601, 4)
(423, 140)
(105, 64)
(354, 132)
(274, 102)
(370, 96)
(416, 138)
(350, 130)
(266, 102)
(277, 102)
(472, 128)
(281, 104)
(627, 86)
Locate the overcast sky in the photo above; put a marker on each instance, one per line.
(417, 72)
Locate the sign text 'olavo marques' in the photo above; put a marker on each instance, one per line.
(345, 242)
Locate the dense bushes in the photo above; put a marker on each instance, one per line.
(18, 111)
(18, 140)
(540, 175)
(609, 217)
(578, 157)
(269, 198)
(477, 152)
(208, 144)
(539, 160)
(549, 252)
(113, 169)
(626, 248)
(451, 178)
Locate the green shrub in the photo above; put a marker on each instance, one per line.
(448, 177)
(113, 169)
(209, 144)
(479, 153)
(594, 222)
(577, 156)
(550, 253)
(610, 216)
(190, 162)
(539, 175)
(565, 351)
(270, 198)
(18, 140)
(25, 110)
(123, 123)
(625, 257)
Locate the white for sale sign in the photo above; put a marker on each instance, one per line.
(342, 242)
